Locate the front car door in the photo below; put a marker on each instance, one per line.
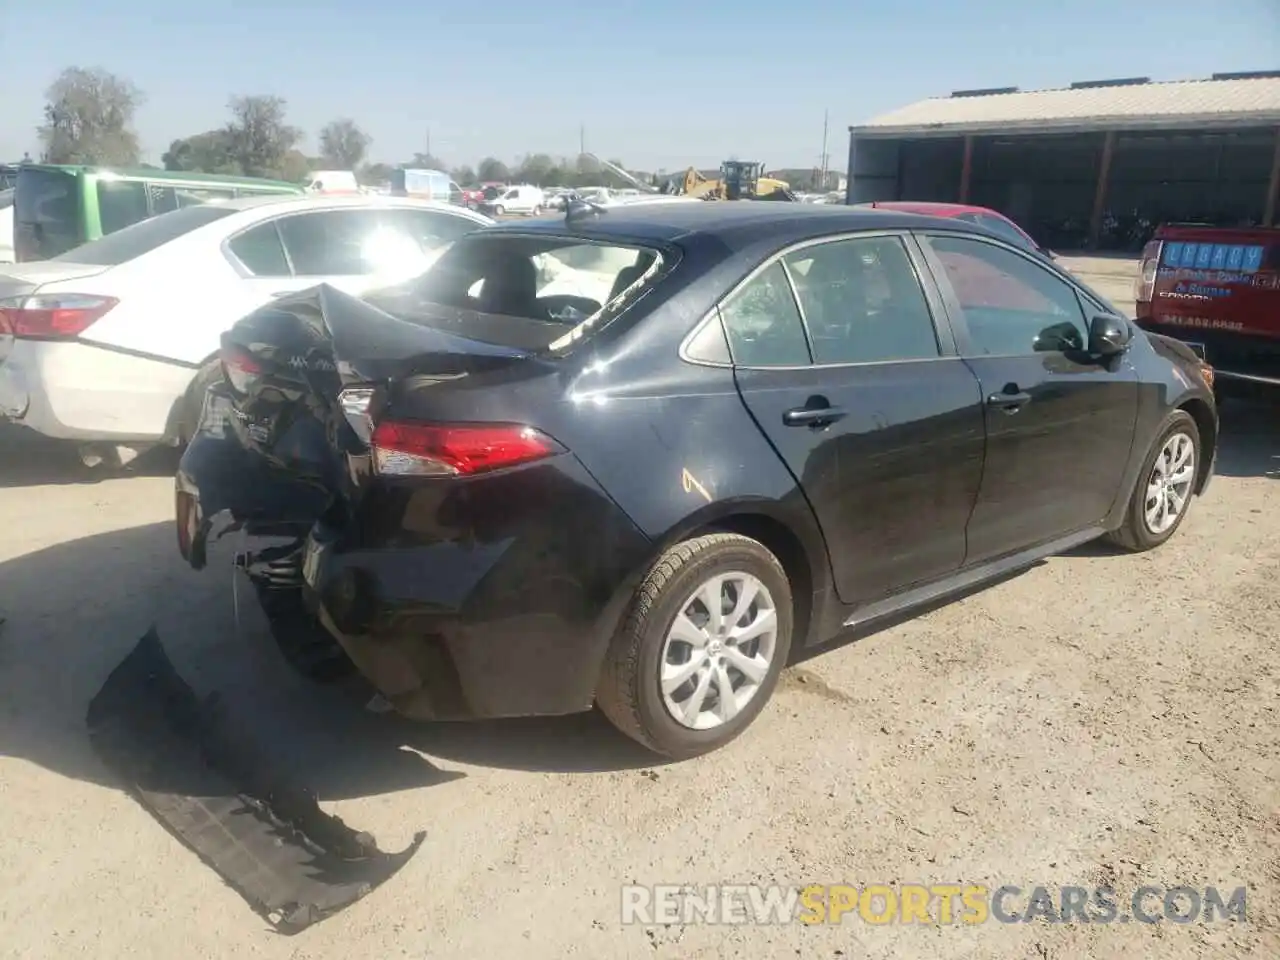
(1060, 423)
(843, 358)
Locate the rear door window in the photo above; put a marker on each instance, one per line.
(863, 302)
(763, 323)
(261, 252)
(335, 243)
(47, 217)
(121, 203)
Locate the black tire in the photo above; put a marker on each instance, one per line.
(629, 693)
(1135, 534)
(499, 210)
(192, 403)
(536, 211)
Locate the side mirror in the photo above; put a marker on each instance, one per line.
(1109, 336)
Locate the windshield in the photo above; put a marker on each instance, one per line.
(541, 292)
(140, 238)
(46, 214)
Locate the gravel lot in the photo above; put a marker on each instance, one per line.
(1099, 719)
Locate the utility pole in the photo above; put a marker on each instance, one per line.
(582, 139)
(428, 141)
(823, 174)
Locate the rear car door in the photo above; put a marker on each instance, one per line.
(1060, 423)
(840, 359)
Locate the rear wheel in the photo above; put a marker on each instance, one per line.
(1165, 486)
(700, 652)
(536, 211)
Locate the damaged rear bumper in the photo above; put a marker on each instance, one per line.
(200, 774)
(473, 606)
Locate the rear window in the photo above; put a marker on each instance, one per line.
(548, 292)
(133, 241)
(46, 214)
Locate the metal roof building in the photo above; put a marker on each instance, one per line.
(1080, 160)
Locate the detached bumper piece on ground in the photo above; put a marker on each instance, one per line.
(195, 771)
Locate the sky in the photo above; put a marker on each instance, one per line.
(660, 84)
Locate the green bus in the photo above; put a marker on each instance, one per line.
(57, 208)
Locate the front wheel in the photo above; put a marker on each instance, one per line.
(700, 652)
(1165, 486)
(499, 210)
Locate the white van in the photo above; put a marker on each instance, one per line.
(425, 185)
(519, 199)
(331, 182)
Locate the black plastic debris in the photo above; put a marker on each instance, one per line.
(205, 780)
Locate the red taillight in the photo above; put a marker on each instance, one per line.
(452, 450)
(52, 315)
(240, 367)
(1144, 287)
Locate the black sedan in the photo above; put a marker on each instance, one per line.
(637, 458)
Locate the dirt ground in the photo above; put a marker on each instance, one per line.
(1100, 719)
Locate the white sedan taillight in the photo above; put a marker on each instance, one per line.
(52, 316)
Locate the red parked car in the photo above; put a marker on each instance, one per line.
(998, 223)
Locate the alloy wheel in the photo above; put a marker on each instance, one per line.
(1169, 485)
(718, 650)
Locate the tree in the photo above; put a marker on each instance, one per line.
(537, 169)
(89, 118)
(295, 165)
(208, 152)
(463, 176)
(261, 140)
(493, 169)
(426, 161)
(375, 173)
(343, 144)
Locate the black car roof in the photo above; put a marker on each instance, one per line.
(736, 223)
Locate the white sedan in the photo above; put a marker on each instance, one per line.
(110, 344)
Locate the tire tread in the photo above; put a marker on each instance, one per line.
(1131, 535)
(617, 693)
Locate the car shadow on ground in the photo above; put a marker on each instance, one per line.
(73, 611)
(29, 460)
(1250, 443)
(1249, 447)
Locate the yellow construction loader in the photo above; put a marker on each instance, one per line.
(738, 180)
